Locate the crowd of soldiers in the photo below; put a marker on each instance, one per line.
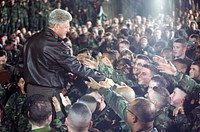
(156, 58)
(33, 14)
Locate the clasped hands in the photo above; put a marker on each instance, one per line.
(108, 83)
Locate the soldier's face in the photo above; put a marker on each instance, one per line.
(178, 50)
(194, 72)
(3, 60)
(144, 77)
(122, 47)
(138, 65)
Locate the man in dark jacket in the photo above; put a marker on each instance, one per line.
(47, 60)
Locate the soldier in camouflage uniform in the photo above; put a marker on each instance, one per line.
(13, 16)
(4, 12)
(189, 86)
(23, 14)
(125, 110)
(46, 12)
(39, 6)
(14, 105)
(7, 86)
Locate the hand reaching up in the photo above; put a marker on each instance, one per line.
(159, 60)
(167, 68)
(56, 104)
(65, 100)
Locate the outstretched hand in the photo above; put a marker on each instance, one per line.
(167, 68)
(90, 63)
(93, 84)
(159, 60)
(108, 83)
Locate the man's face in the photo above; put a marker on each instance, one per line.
(178, 50)
(125, 68)
(3, 60)
(138, 65)
(177, 97)
(63, 29)
(194, 71)
(122, 47)
(158, 34)
(144, 76)
(143, 42)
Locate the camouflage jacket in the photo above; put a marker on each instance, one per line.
(13, 111)
(115, 75)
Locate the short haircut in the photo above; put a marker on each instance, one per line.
(152, 68)
(126, 42)
(59, 16)
(149, 30)
(182, 41)
(90, 101)
(39, 109)
(184, 62)
(144, 110)
(196, 36)
(124, 31)
(126, 52)
(143, 57)
(196, 63)
(2, 53)
(125, 61)
(161, 95)
(79, 117)
(127, 92)
(160, 80)
(112, 54)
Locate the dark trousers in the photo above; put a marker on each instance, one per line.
(47, 92)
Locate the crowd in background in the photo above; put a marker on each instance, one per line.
(33, 14)
(131, 52)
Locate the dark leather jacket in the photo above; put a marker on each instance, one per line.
(47, 61)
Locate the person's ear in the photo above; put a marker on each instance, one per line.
(28, 114)
(134, 118)
(90, 125)
(49, 119)
(183, 100)
(66, 121)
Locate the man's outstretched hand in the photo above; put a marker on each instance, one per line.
(108, 83)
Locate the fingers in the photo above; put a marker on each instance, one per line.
(178, 110)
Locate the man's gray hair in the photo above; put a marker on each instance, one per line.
(59, 16)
